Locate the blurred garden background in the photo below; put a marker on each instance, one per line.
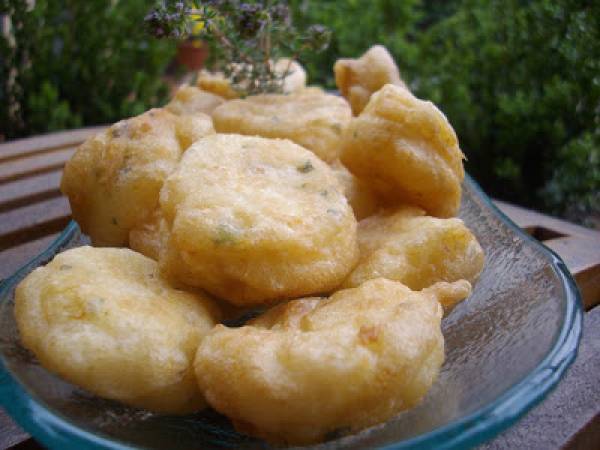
(519, 80)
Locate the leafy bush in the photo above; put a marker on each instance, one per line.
(519, 81)
(355, 26)
(67, 63)
(574, 189)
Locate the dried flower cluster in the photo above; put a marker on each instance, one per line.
(245, 37)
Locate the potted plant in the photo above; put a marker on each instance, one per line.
(192, 52)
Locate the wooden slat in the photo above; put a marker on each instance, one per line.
(33, 221)
(568, 415)
(13, 258)
(35, 164)
(582, 257)
(29, 444)
(588, 438)
(31, 189)
(46, 142)
(530, 220)
(10, 433)
(579, 247)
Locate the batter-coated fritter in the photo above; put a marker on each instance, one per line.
(192, 100)
(417, 250)
(255, 220)
(406, 150)
(218, 84)
(105, 320)
(310, 117)
(148, 237)
(311, 367)
(363, 200)
(295, 79)
(114, 178)
(358, 78)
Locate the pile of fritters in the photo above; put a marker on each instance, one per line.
(339, 229)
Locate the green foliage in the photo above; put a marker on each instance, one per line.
(519, 81)
(50, 112)
(356, 25)
(574, 189)
(68, 63)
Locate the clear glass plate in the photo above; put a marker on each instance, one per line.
(506, 348)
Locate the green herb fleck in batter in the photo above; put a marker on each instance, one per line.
(226, 235)
(306, 167)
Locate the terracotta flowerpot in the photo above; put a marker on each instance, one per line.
(192, 54)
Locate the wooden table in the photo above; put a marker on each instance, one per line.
(33, 212)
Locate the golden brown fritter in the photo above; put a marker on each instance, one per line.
(114, 178)
(417, 250)
(254, 220)
(105, 320)
(363, 200)
(148, 237)
(310, 117)
(314, 366)
(218, 84)
(190, 100)
(405, 149)
(358, 79)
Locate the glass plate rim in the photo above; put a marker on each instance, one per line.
(55, 431)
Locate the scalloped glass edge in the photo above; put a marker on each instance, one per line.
(56, 432)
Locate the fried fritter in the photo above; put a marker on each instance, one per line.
(218, 84)
(405, 149)
(148, 237)
(104, 319)
(310, 117)
(417, 250)
(358, 78)
(192, 100)
(114, 178)
(311, 367)
(150, 240)
(295, 79)
(254, 220)
(363, 200)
